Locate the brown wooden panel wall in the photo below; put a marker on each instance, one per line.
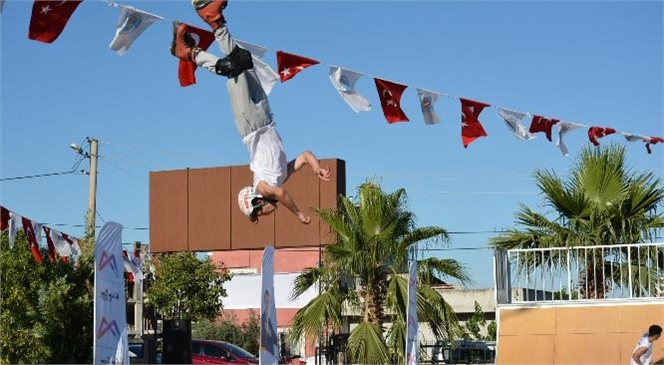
(576, 334)
(196, 210)
(168, 209)
(209, 209)
(329, 194)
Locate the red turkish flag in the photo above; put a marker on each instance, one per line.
(49, 19)
(29, 230)
(390, 100)
(594, 133)
(541, 124)
(4, 218)
(186, 69)
(653, 140)
(290, 65)
(471, 128)
(49, 242)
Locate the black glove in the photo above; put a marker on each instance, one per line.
(238, 61)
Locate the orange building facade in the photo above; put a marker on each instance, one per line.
(588, 305)
(593, 333)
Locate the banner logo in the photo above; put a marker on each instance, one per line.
(108, 260)
(109, 296)
(132, 22)
(106, 326)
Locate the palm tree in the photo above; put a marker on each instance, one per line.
(602, 202)
(363, 274)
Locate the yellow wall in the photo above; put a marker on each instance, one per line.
(587, 334)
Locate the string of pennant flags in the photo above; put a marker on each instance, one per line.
(49, 19)
(58, 244)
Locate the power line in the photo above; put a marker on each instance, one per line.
(147, 229)
(39, 175)
(82, 225)
(73, 170)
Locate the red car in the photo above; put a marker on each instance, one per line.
(219, 352)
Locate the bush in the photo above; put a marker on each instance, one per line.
(226, 328)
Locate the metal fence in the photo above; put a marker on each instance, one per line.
(580, 273)
(458, 352)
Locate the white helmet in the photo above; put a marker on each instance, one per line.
(245, 200)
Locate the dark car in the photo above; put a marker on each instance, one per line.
(136, 353)
(220, 352)
(464, 352)
(137, 356)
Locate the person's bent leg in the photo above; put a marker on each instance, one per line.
(237, 60)
(224, 39)
(207, 60)
(211, 11)
(184, 47)
(251, 109)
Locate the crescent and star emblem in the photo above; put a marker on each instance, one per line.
(387, 95)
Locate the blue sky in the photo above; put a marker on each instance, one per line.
(593, 63)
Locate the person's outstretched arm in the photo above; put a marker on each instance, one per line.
(636, 356)
(284, 197)
(308, 158)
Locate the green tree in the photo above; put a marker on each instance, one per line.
(472, 329)
(564, 294)
(601, 202)
(46, 309)
(492, 331)
(363, 274)
(226, 328)
(186, 287)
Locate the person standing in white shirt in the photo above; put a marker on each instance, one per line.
(252, 115)
(642, 353)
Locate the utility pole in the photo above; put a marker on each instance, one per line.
(92, 193)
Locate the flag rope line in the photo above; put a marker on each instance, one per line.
(644, 138)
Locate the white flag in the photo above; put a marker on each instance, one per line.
(427, 100)
(131, 23)
(61, 245)
(513, 121)
(256, 50)
(634, 137)
(13, 227)
(563, 128)
(266, 74)
(75, 248)
(37, 228)
(344, 81)
(130, 266)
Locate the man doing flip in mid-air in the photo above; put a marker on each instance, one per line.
(252, 115)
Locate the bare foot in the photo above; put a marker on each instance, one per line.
(324, 173)
(304, 219)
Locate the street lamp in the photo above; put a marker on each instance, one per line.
(92, 192)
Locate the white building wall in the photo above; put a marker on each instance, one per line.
(244, 291)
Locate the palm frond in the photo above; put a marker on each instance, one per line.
(432, 234)
(311, 319)
(443, 268)
(304, 281)
(366, 345)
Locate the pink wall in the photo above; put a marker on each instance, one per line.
(285, 260)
